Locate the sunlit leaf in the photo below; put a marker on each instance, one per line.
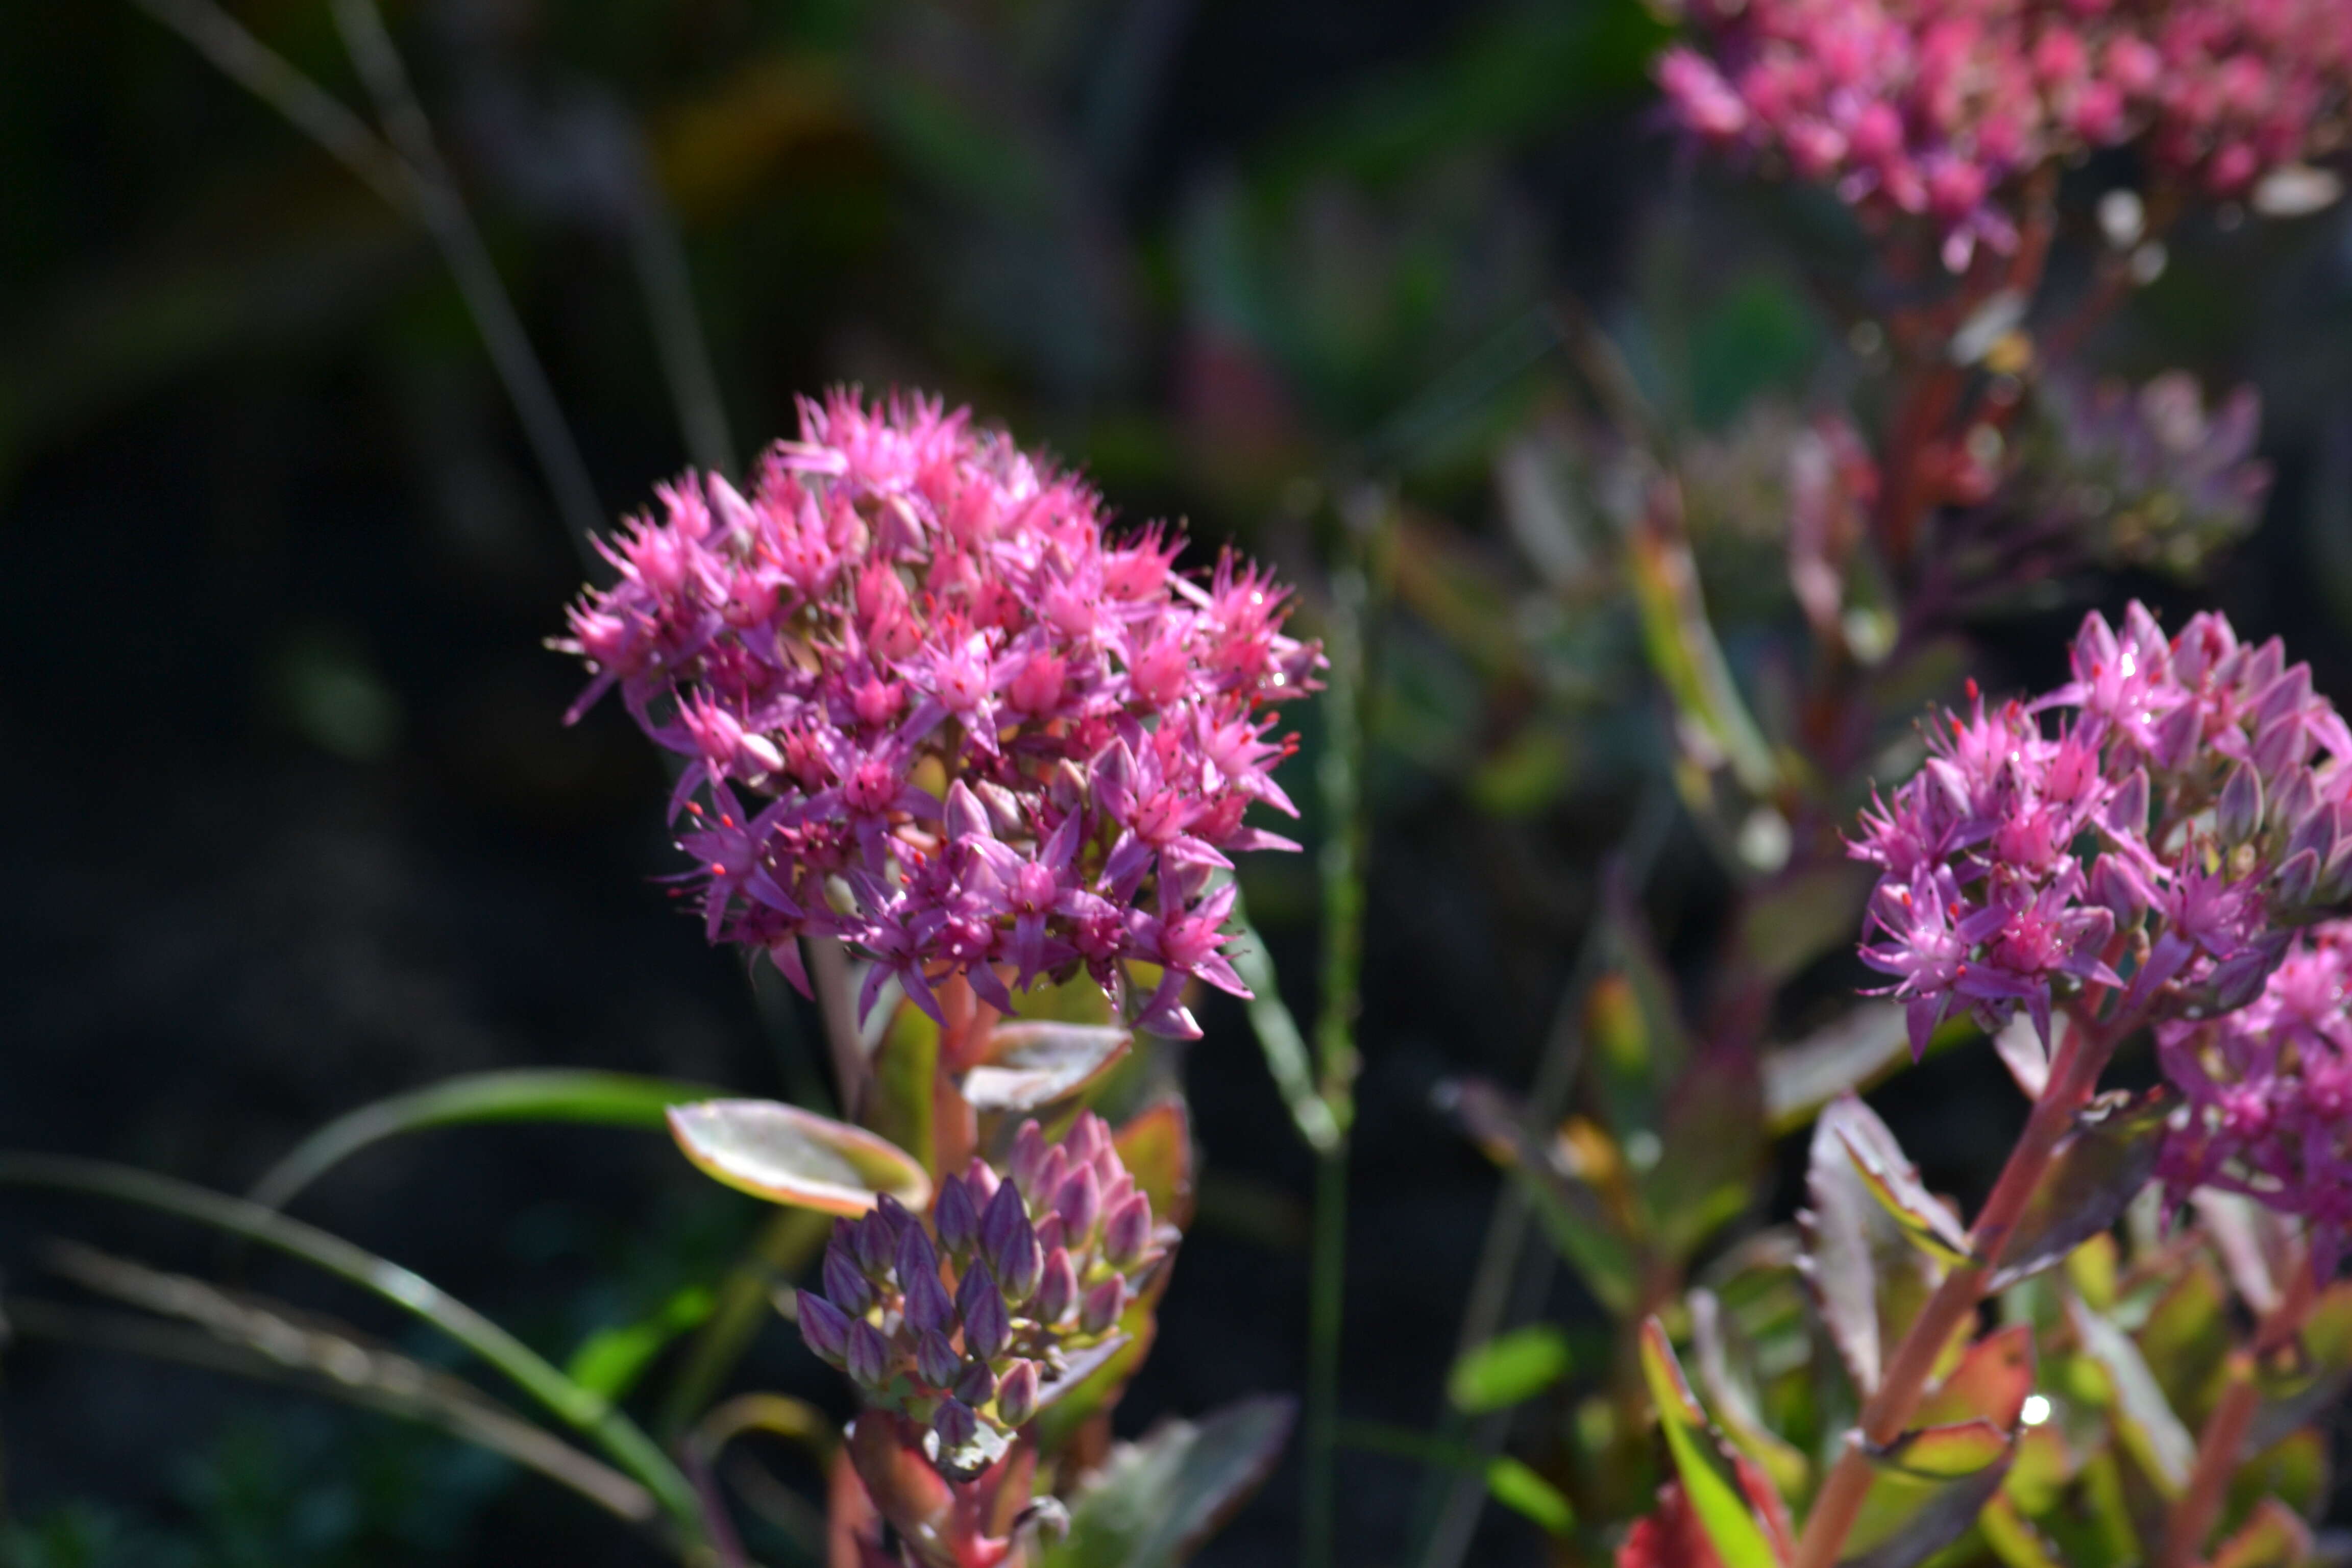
(1156, 1146)
(1991, 1384)
(1866, 1276)
(1524, 1492)
(1895, 1181)
(1854, 1052)
(2272, 1537)
(521, 1094)
(1709, 1477)
(2013, 1538)
(1924, 1491)
(2154, 1433)
(1029, 1064)
(788, 1155)
(611, 1360)
(2096, 1171)
(1507, 1369)
(1155, 1500)
(2186, 1339)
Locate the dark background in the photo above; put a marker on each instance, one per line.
(292, 821)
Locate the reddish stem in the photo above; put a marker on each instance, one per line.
(2218, 1444)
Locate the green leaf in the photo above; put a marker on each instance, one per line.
(788, 1155)
(523, 1094)
(1508, 1481)
(1991, 1383)
(1895, 1181)
(2273, 1536)
(1572, 1213)
(1155, 1500)
(2013, 1538)
(1710, 1480)
(1031, 1063)
(1279, 1036)
(2096, 1172)
(1925, 1491)
(2150, 1429)
(1155, 1144)
(2186, 1339)
(1867, 1278)
(1507, 1369)
(611, 1360)
(1734, 1401)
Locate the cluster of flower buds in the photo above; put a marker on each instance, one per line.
(2183, 816)
(2269, 1092)
(1931, 107)
(2163, 478)
(938, 713)
(973, 1324)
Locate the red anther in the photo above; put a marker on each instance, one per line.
(1971, 688)
(717, 870)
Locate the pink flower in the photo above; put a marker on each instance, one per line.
(937, 712)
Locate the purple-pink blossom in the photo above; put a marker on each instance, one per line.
(2157, 824)
(931, 705)
(1934, 108)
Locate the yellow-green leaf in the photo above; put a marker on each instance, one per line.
(788, 1155)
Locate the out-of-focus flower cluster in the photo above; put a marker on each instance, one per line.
(1931, 107)
(970, 1325)
(937, 712)
(2183, 816)
(2270, 1093)
(2154, 476)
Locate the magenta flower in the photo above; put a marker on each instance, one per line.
(2159, 824)
(928, 706)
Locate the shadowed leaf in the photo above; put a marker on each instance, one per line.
(2155, 1435)
(1735, 1402)
(1507, 1369)
(1158, 1499)
(2013, 1538)
(1925, 1492)
(1710, 1478)
(1031, 1063)
(1851, 1054)
(522, 1094)
(2096, 1171)
(788, 1155)
(1867, 1278)
(1508, 1481)
(1571, 1212)
(1893, 1181)
(2273, 1536)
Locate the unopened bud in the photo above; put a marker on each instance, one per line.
(927, 1306)
(1128, 1231)
(1057, 1289)
(937, 1360)
(896, 1220)
(876, 1243)
(1088, 1135)
(2298, 879)
(955, 1423)
(976, 1385)
(1004, 1225)
(1102, 1305)
(2239, 815)
(958, 1219)
(1051, 1171)
(982, 1181)
(1028, 1155)
(1016, 1394)
(844, 1282)
(825, 1328)
(1052, 1233)
(868, 1356)
(1079, 1203)
(2127, 811)
(987, 1325)
(914, 1255)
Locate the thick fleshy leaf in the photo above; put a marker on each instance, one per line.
(902, 1102)
(2186, 1338)
(1853, 1053)
(2096, 1172)
(1028, 1064)
(1572, 1213)
(1991, 1384)
(788, 1155)
(1710, 1477)
(1734, 1402)
(1155, 1500)
(520, 1094)
(1893, 1181)
(1867, 1278)
(1156, 1146)
(1507, 1369)
(2272, 1537)
(2013, 1538)
(1924, 1491)
(2153, 1432)
(2296, 1470)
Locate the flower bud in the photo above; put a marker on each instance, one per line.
(937, 1360)
(1079, 1203)
(1117, 1185)
(2239, 815)
(1057, 1289)
(825, 1328)
(867, 1359)
(2297, 879)
(876, 1243)
(927, 1306)
(1051, 1171)
(987, 1325)
(1128, 1231)
(1003, 1226)
(1102, 1306)
(976, 1385)
(1088, 1135)
(2127, 810)
(1018, 1278)
(896, 1220)
(1028, 1155)
(1016, 1394)
(982, 1180)
(844, 1282)
(1052, 1233)
(955, 1423)
(958, 1219)
(914, 1255)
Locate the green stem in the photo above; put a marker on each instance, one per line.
(581, 1409)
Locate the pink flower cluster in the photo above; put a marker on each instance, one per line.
(2184, 812)
(2269, 1089)
(937, 712)
(1929, 107)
